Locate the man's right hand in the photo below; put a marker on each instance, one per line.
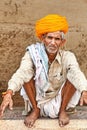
(7, 101)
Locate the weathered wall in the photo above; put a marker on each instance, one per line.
(17, 19)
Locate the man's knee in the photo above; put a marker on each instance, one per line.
(68, 87)
(68, 84)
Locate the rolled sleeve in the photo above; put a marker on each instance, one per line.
(74, 74)
(24, 73)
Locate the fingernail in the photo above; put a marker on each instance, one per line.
(11, 108)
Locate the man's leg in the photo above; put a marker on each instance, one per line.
(31, 92)
(67, 92)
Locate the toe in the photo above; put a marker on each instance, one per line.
(26, 123)
(31, 123)
(60, 123)
(63, 122)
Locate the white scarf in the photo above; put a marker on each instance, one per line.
(40, 60)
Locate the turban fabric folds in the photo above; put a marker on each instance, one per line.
(51, 23)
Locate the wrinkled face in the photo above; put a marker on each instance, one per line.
(53, 41)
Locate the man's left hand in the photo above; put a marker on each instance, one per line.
(83, 99)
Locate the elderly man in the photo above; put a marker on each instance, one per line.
(52, 79)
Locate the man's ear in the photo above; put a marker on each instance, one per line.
(42, 38)
(63, 42)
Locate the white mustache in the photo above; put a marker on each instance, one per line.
(50, 46)
(51, 49)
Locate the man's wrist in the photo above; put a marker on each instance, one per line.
(9, 91)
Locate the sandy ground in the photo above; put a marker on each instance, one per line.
(16, 113)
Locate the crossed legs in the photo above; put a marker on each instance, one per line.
(67, 92)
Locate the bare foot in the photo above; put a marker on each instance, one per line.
(30, 120)
(63, 119)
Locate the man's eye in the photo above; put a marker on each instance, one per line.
(57, 39)
(49, 37)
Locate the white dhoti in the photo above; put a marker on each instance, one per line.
(52, 107)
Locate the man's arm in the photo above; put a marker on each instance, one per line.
(74, 73)
(22, 75)
(76, 77)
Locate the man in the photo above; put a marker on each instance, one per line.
(52, 79)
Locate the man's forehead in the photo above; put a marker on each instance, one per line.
(58, 33)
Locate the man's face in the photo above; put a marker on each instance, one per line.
(52, 42)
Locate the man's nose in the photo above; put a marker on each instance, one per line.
(53, 41)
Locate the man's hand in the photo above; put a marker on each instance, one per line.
(7, 101)
(83, 98)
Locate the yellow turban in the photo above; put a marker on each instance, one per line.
(51, 23)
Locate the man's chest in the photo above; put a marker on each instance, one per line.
(56, 75)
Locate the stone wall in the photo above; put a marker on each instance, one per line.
(17, 20)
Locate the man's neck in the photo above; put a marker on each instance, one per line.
(51, 57)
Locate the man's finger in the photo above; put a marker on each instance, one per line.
(1, 112)
(2, 108)
(81, 101)
(11, 105)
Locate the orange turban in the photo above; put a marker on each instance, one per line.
(51, 23)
